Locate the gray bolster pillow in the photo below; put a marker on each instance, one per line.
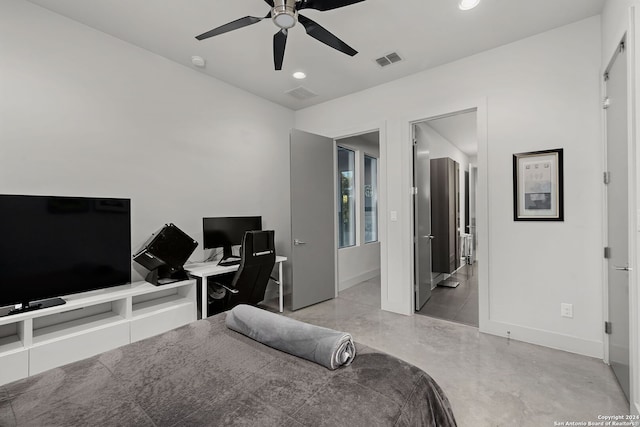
(324, 346)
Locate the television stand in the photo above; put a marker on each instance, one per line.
(37, 305)
(90, 323)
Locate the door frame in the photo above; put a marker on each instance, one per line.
(634, 187)
(606, 188)
(482, 195)
(416, 236)
(629, 34)
(473, 179)
(381, 128)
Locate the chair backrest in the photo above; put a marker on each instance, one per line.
(256, 264)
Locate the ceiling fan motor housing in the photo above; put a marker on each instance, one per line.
(284, 13)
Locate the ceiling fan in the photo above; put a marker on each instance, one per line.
(284, 14)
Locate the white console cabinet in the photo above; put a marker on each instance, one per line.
(91, 323)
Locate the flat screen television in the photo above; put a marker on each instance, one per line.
(225, 232)
(56, 246)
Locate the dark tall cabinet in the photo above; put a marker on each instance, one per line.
(445, 215)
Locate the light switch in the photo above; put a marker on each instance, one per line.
(393, 215)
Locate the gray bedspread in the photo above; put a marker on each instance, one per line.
(204, 374)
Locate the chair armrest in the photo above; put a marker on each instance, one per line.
(228, 288)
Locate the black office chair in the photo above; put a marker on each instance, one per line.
(248, 284)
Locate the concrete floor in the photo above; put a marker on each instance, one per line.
(459, 304)
(490, 381)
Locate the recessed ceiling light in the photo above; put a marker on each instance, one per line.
(468, 4)
(299, 75)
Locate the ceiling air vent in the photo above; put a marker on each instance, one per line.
(301, 93)
(389, 59)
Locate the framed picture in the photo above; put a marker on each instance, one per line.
(538, 186)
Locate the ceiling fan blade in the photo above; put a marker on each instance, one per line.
(279, 43)
(269, 2)
(319, 33)
(325, 4)
(238, 23)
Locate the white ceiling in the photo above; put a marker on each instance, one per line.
(459, 129)
(426, 33)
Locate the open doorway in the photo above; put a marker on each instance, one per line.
(445, 178)
(357, 166)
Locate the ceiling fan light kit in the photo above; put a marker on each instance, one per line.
(284, 14)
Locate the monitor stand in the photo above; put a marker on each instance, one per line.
(227, 252)
(228, 258)
(232, 260)
(37, 305)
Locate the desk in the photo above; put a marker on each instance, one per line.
(204, 270)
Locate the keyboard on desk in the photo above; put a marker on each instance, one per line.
(229, 261)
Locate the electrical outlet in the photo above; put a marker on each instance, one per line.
(566, 310)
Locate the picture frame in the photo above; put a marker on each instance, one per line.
(538, 186)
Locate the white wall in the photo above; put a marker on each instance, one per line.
(539, 93)
(83, 113)
(357, 264)
(362, 261)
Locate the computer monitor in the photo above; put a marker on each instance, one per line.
(225, 232)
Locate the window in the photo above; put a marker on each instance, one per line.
(370, 199)
(346, 198)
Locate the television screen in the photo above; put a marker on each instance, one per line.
(55, 246)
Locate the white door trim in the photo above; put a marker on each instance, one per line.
(633, 52)
(381, 128)
(634, 123)
(482, 199)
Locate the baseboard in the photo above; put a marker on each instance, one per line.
(346, 284)
(544, 338)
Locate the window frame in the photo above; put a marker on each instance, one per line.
(364, 207)
(354, 214)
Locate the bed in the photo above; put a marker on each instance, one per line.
(204, 374)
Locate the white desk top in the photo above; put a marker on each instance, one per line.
(211, 268)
